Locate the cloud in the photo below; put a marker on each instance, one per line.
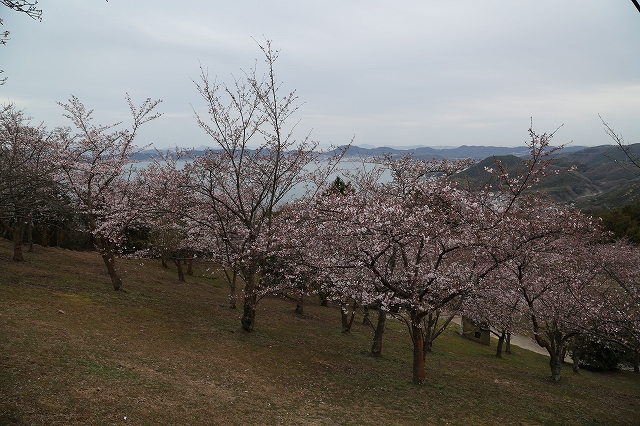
(400, 72)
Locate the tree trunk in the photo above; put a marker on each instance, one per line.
(427, 346)
(427, 339)
(300, 303)
(164, 261)
(178, 263)
(556, 366)
(500, 343)
(190, 266)
(110, 262)
(376, 348)
(323, 298)
(507, 348)
(250, 300)
(365, 316)
(432, 330)
(30, 236)
(18, 230)
(418, 350)
(45, 235)
(5, 229)
(346, 321)
(233, 297)
(636, 363)
(575, 357)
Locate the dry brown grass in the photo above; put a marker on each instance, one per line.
(73, 351)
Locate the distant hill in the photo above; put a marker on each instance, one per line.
(600, 179)
(427, 153)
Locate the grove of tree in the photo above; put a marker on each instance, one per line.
(398, 236)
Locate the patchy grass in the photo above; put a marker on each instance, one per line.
(73, 351)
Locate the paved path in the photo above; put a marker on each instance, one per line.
(522, 341)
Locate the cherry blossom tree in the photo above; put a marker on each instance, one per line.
(620, 322)
(29, 189)
(97, 168)
(496, 306)
(239, 185)
(402, 246)
(419, 245)
(545, 273)
(165, 206)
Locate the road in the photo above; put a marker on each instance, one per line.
(523, 342)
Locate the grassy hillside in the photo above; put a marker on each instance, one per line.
(73, 351)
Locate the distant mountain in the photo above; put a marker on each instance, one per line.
(147, 154)
(418, 152)
(428, 153)
(600, 180)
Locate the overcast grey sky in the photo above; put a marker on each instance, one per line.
(392, 73)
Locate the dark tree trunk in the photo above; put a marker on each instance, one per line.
(346, 321)
(556, 366)
(344, 315)
(109, 259)
(18, 230)
(554, 341)
(45, 235)
(507, 348)
(250, 301)
(432, 330)
(575, 357)
(164, 262)
(178, 264)
(418, 350)
(233, 297)
(501, 338)
(300, 303)
(429, 329)
(365, 316)
(376, 348)
(30, 236)
(5, 229)
(190, 266)
(323, 298)
(636, 363)
(427, 346)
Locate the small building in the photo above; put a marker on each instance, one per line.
(475, 332)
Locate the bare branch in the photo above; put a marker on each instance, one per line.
(24, 6)
(633, 159)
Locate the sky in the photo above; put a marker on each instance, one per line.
(386, 73)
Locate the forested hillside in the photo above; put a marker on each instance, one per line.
(592, 178)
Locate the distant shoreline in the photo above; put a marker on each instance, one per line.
(424, 153)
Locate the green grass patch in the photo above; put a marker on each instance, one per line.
(105, 371)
